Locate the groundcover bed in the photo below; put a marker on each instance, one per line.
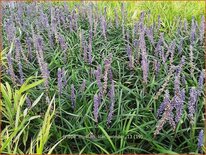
(102, 77)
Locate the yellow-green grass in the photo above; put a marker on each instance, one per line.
(168, 11)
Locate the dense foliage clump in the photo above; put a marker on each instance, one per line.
(114, 87)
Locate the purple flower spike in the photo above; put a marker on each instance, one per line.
(201, 81)
(135, 43)
(96, 107)
(166, 116)
(112, 101)
(145, 65)
(10, 30)
(107, 64)
(135, 30)
(200, 140)
(177, 81)
(159, 23)
(123, 19)
(110, 74)
(21, 73)
(157, 67)
(185, 25)
(193, 31)
(129, 53)
(83, 45)
(45, 73)
(164, 103)
(142, 17)
(136, 51)
(104, 26)
(11, 69)
(183, 80)
(40, 58)
(149, 33)
(192, 103)
(64, 77)
(116, 19)
(172, 51)
(159, 44)
(90, 48)
(63, 45)
(59, 79)
(201, 29)
(90, 17)
(70, 23)
(18, 50)
(73, 96)
(28, 43)
(180, 46)
(85, 52)
(179, 104)
(191, 61)
(83, 86)
(98, 75)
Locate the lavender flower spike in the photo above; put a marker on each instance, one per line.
(192, 103)
(183, 80)
(167, 116)
(193, 31)
(73, 96)
(201, 29)
(59, 78)
(98, 75)
(191, 61)
(129, 53)
(179, 103)
(10, 30)
(63, 44)
(19, 49)
(149, 33)
(112, 100)
(83, 86)
(90, 48)
(136, 53)
(11, 69)
(185, 25)
(83, 45)
(29, 48)
(43, 65)
(180, 46)
(201, 81)
(200, 140)
(164, 103)
(177, 81)
(107, 67)
(123, 19)
(21, 72)
(104, 27)
(90, 16)
(64, 77)
(96, 107)
(145, 65)
(116, 19)
(157, 67)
